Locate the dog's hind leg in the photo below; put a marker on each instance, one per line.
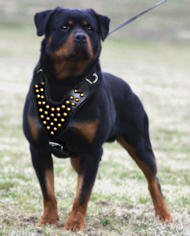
(137, 143)
(43, 165)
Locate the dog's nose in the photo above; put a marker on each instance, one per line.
(80, 38)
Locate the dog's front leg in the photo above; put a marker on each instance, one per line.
(43, 165)
(86, 167)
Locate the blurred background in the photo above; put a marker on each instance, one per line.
(153, 55)
(169, 22)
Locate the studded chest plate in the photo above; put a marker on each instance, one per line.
(54, 117)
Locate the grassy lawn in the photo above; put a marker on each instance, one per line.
(159, 74)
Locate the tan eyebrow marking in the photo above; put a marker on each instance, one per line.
(85, 22)
(70, 22)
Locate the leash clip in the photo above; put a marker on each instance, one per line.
(94, 81)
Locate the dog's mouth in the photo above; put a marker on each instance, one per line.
(73, 62)
(76, 52)
(80, 52)
(81, 49)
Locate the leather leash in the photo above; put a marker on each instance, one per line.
(137, 16)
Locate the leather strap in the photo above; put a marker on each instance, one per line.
(137, 16)
(56, 117)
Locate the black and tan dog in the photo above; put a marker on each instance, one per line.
(72, 108)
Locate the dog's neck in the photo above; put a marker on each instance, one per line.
(59, 87)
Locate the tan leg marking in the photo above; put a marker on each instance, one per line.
(78, 213)
(75, 164)
(33, 127)
(159, 205)
(50, 215)
(88, 129)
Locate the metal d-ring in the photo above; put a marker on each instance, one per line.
(56, 145)
(94, 81)
(38, 71)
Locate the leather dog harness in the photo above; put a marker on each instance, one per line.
(55, 117)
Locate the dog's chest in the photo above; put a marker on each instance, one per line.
(54, 116)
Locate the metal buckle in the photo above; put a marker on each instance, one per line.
(94, 81)
(40, 70)
(56, 145)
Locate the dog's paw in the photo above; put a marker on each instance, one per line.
(46, 220)
(74, 226)
(167, 218)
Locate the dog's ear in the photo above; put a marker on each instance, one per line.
(103, 24)
(41, 20)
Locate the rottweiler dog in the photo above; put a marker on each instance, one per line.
(72, 108)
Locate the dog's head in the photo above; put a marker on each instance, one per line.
(72, 37)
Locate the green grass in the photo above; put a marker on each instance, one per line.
(120, 205)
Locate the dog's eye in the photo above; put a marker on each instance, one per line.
(65, 27)
(89, 28)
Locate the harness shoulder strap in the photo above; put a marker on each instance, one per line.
(56, 117)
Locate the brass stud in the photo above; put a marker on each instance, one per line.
(63, 106)
(55, 128)
(41, 89)
(73, 103)
(52, 109)
(40, 109)
(55, 119)
(42, 116)
(43, 102)
(77, 99)
(51, 123)
(38, 96)
(52, 115)
(39, 102)
(71, 97)
(52, 133)
(36, 85)
(44, 122)
(37, 90)
(48, 127)
(58, 108)
(47, 106)
(45, 112)
(42, 83)
(48, 118)
(64, 113)
(62, 119)
(82, 94)
(42, 96)
(58, 114)
(59, 125)
(68, 108)
(67, 102)
(75, 90)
